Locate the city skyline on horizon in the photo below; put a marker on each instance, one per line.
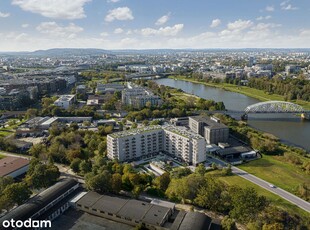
(29, 25)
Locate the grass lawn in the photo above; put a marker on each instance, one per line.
(184, 96)
(276, 200)
(255, 93)
(2, 156)
(4, 132)
(275, 171)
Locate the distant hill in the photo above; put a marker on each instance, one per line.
(69, 52)
(61, 52)
(58, 52)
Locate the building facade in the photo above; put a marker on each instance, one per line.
(65, 101)
(134, 144)
(211, 128)
(139, 97)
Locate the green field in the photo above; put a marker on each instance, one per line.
(274, 199)
(8, 130)
(273, 170)
(2, 156)
(255, 93)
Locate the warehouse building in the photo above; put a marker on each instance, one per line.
(47, 205)
(158, 215)
(13, 166)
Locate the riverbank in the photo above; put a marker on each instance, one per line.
(250, 92)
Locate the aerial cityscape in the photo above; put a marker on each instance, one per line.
(167, 115)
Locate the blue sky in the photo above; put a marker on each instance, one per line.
(27, 25)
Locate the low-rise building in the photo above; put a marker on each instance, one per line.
(109, 88)
(128, 211)
(139, 97)
(13, 166)
(65, 101)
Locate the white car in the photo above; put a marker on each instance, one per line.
(272, 186)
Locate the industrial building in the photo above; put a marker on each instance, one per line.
(210, 128)
(160, 215)
(13, 166)
(47, 205)
(176, 141)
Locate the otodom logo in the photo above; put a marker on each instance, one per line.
(26, 224)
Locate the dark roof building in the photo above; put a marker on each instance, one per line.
(125, 210)
(42, 202)
(134, 212)
(195, 220)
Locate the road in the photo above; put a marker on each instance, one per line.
(67, 172)
(278, 191)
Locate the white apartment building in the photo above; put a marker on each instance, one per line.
(189, 146)
(176, 141)
(65, 101)
(133, 144)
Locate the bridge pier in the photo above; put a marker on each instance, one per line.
(305, 116)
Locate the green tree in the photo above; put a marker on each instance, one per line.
(201, 169)
(100, 183)
(16, 193)
(31, 113)
(4, 182)
(42, 176)
(228, 224)
(162, 182)
(247, 204)
(85, 167)
(116, 182)
(75, 165)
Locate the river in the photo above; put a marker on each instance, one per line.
(289, 128)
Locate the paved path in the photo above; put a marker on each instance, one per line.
(278, 191)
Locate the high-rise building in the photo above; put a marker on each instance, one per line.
(211, 128)
(178, 142)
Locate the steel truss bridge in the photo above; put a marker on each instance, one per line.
(276, 107)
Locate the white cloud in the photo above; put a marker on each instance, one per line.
(215, 23)
(25, 25)
(120, 13)
(118, 31)
(239, 25)
(163, 31)
(113, 1)
(163, 20)
(4, 15)
(265, 26)
(55, 30)
(61, 9)
(285, 5)
(104, 34)
(269, 8)
(263, 18)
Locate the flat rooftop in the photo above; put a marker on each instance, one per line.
(11, 164)
(126, 208)
(209, 122)
(233, 150)
(182, 132)
(132, 132)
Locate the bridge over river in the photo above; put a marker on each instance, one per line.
(272, 107)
